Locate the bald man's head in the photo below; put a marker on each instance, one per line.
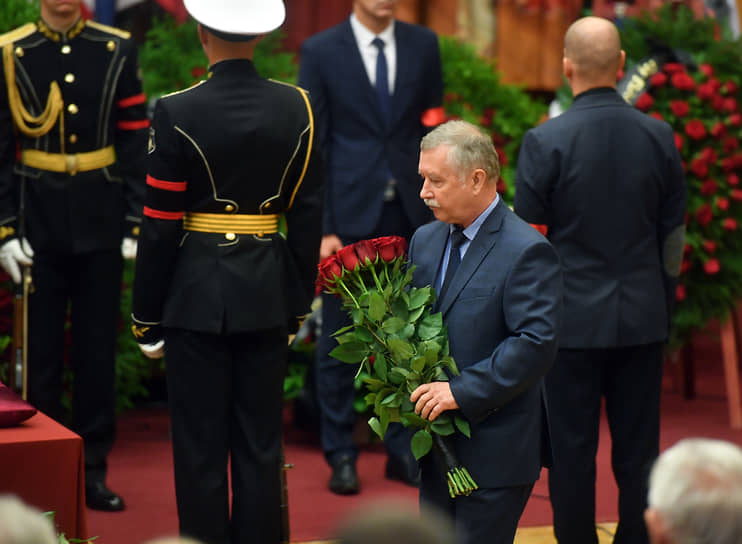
(593, 47)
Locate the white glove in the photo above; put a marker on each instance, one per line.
(153, 351)
(13, 256)
(129, 248)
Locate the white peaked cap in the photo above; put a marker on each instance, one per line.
(243, 17)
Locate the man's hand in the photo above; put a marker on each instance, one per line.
(129, 248)
(330, 244)
(432, 399)
(153, 351)
(14, 255)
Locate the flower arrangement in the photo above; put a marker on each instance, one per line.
(396, 339)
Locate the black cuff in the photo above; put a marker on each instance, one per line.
(146, 333)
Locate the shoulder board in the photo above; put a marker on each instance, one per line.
(284, 83)
(181, 91)
(17, 34)
(109, 29)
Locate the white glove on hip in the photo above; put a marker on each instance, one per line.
(153, 351)
(129, 248)
(13, 255)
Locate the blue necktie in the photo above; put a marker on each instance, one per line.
(454, 258)
(382, 80)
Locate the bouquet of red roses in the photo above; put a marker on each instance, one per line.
(398, 341)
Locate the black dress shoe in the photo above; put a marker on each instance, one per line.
(99, 497)
(344, 479)
(404, 469)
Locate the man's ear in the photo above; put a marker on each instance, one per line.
(567, 67)
(479, 180)
(203, 36)
(656, 527)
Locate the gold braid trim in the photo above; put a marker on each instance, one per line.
(22, 118)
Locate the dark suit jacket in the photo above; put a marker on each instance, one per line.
(608, 182)
(355, 141)
(502, 311)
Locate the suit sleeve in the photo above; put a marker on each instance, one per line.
(532, 306)
(311, 79)
(8, 184)
(132, 125)
(533, 181)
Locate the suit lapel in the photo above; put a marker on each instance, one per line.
(482, 244)
(428, 260)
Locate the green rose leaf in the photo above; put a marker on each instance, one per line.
(418, 297)
(463, 426)
(370, 399)
(417, 363)
(376, 306)
(393, 325)
(401, 349)
(421, 443)
(350, 352)
(342, 330)
(430, 326)
(442, 426)
(407, 332)
(393, 401)
(380, 367)
(415, 314)
(410, 419)
(364, 335)
(399, 308)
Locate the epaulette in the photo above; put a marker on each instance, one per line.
(184, 90)
(17, 34)
(287, 84)
(110, 29)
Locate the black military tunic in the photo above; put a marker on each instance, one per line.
(71, 182)
(229, 158)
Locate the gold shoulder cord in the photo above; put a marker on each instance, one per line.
(22, 118)
(309, 145)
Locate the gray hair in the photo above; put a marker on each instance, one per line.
(23, 524)
(469, 148)
(696, 487)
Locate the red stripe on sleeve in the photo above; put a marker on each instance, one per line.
(132, 100)
(177, 186)
(159, 214)
(133, 125)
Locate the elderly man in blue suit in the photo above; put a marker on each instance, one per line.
(375, 85)
(499, 285)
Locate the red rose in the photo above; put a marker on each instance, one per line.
(198, 71)
(673, 67)
(718, 130)
(502, 156)
(656, 115)
(328, 271)
(680, 293)
(699, 167)
(727, 164)
(366, 251)
(501, 187)
(644, 102)
(735, 120)
(708, 155)
(709, 246)
(715, 83)
(682, 81)
(658, 80)
(729, 87)
(722, 203)
(706, 69)
(679, 141)
(687, 248)
(729, 224)
(705, 91)
(711, 267)
(736, 194)
(679, 107)
(733, 180)
(729, 144)
(390, 247)
(695, 129)
(730, 105)
(400, 246)
(348, 257)
(709, 187)
(704, 214)
(717, 102)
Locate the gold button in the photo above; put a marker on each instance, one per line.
(18, 51)
(267, 204)
(66, 49)
(73, 138)
(230, 236)
(69, 78)
(111, 45)
(73, 109)
(135, 231)
(228, 208)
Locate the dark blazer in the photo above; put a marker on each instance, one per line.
(355, 140)
(234, 144)
(502, 311)
(601, 164)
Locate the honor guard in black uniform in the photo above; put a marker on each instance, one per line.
(217, 281)
(73, 136)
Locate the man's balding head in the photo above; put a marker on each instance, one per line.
(592, 52)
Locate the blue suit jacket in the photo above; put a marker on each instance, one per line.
(502, 310)
(355, 141)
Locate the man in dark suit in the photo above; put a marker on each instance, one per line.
(375, 84)
(216, 282)
(607, 182)
(73, 133)
(500, 295)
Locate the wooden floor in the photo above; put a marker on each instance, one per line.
(540, 535)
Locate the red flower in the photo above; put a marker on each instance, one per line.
(502, 156)
(730, 105)
(198, 71)
(736, 194)
(735, 120)
(682, 81)
(728, 164)
(695, 129)
(729, 224)
(709, 187)
(673, 67)
(680, 293)
(729, 87)
(699, 167)
(706, 69)
(717, 102)
(501, 187)
(656, 115)
(709, 246)
(718, 130)
(348, 257)
(729, 144)
(328, 271)
(711, 267)
(679, 141)
(390, 247)
(644, 102)
(704, 214)
(366, 251)
(708, 155)
(715, 83)
(705, 91)
(722, 203)
(658, 80)
(679, 107)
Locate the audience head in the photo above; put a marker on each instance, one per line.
(459, 166)
(388, 522)
(592, 54)
(695, 494)
(23, 524)
(375, 15)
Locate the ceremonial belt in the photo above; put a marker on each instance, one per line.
(72, 163)
(238, 223)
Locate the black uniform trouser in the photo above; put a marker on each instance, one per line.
(225, 394)
(630, 380)
(89, 285)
